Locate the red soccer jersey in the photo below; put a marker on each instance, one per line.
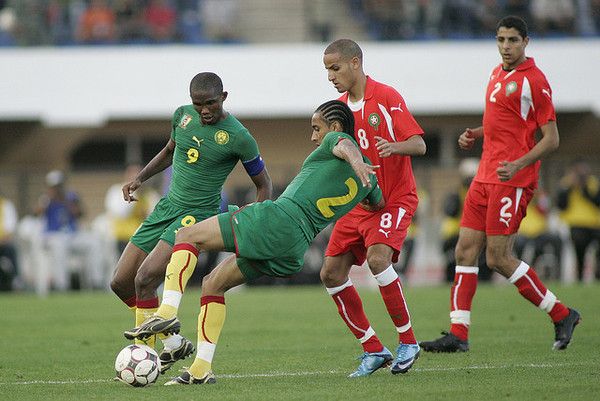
(518, 102)
(383, 113)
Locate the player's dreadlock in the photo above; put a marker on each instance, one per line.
(335, 110)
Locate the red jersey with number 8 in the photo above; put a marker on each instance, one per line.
(383, 113)
(518, 102)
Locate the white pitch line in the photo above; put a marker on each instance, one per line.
(327, 372)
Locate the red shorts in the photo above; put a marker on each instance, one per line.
(495, 209)
(358, 230)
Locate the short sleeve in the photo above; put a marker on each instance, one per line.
(246, 147)
(542, 101)
(403, 123)
(175, 121)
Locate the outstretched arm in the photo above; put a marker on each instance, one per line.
(161, 161)
(346, 150)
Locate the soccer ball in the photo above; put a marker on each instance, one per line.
(137, 365)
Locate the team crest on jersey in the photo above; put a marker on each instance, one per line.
(221, 137)
(185, 120)
(511, 87)
(374, 120)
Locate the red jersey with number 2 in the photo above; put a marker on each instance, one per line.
(383, 113)
(518, 102)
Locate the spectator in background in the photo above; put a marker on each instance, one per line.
(453, 208)
(421, 18)
(8, 252)
(535, 240)
(219, 19)
(553, 16)
(61, 210)
(97, 24)
(126, 217)
(30, 26)
(385, 18)
(579, 201)
(160, 19)
(129, 21)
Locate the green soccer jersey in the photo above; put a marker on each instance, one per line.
(204, 156)
(326, 188)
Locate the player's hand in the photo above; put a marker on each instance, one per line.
(466, 140)
(506, 170)
(363, 171)
(129, 189)
(385, 147)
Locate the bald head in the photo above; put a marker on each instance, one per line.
(206, 82)
(347, 48)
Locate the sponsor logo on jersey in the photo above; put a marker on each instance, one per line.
(511, 87)
(198, 141)
(221, 137)
(374, 120)
(185, 120)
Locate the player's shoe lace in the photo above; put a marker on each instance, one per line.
(154, 325)
(187, 378)
(448, 342)
(407, 355)
(168, 357)
(371, 361)
(563, 330)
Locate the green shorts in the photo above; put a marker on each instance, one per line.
(163, 223)
(265, 239)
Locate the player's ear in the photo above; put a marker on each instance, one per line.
(336, 126)
(224, 96)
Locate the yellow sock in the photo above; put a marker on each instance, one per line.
(210, 323)
(179, 270)
(142, 314)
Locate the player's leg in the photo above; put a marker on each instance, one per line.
(149, 276)
(334, 275)
(379, 259)
(211, 319)
(469, 246)
(500, 256)
(123, 279)
(205, 235)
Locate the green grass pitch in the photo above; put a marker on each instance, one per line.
(288, 343)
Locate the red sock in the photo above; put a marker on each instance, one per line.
(393, 297)
(147, 303)
(131, 302)
(531, 288)
(461, 298)
(351, 311)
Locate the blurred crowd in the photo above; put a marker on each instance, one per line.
(77, 22)
(50, 249)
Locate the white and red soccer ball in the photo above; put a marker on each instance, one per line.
(137, 365)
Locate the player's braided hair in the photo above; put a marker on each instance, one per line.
(335, 110)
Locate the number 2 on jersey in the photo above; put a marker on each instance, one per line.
(493, 94)
(324, 204)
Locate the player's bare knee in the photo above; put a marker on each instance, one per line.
(378, 263)
(120, 289)
(183, 235)
(332, 277)
(145, 280)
